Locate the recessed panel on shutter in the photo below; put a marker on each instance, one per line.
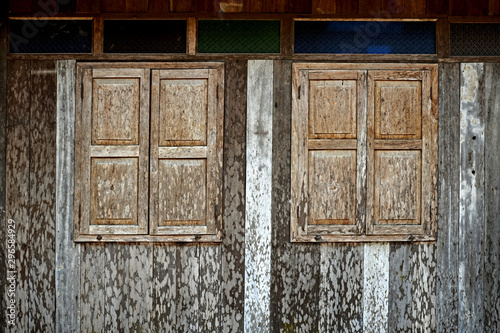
(112, 128)
(186, 151)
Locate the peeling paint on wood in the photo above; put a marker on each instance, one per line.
(92, 288)
(258, 195)
(492, 204)
(42, 195)
(341, 288)
(164, 317)
(471, 222)
(67, 252)
(17, 184)
(233, 240)
(449, 195)
(423, 288)
(188, 279)
(376, 287)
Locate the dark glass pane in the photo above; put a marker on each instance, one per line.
(50, 36)
(228, 36)
(145, 36)
(473, 39)
(365, 37)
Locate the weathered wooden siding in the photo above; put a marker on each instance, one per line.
(400, 8)
(450, 285)
(3, 121)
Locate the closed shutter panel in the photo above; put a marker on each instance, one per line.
(328, 134)
(186, 151)
(112, 131)
(402, 134)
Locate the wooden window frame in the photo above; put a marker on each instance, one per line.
(146, 151)
(365, 145)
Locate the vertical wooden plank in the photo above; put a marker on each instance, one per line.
(437, 7)
(233, 239)
(88, 6)
(347, 7)
(3, 121)
(92, 288)
(42, 195)
(210, 289)
(67, 252)
(457, 8)
(17, 176)
(164, 316)
(494, 8)
(443, 38)
(113, 6)
(158, 6)
(449, 193)
(376, 287)
(369, 7)
(341, 288)
(184, 6)
(492, 204)
(274, 6)
(252, 6)
(188, 284)
(471, 221)
(128, 278)
(400, 283)
(478, 7)
(97, 41)
(324, 6)
(423, 288)
(300, 6)
(192, 31)
(258, 195)
(136, 6)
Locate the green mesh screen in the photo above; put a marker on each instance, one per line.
(245, 36)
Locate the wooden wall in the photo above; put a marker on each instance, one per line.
(367, 8)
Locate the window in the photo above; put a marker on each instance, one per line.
(149, 152)
(364, 152)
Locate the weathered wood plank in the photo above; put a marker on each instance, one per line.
(376, 287)
(17, 185)
(164, 316)
(128, 277)
(492, 203)
(423, 288)
(399, 288)
(88, 6)
(258, 195)
(3, 121)
(42, 195)
(113, 6)
(92, 288)
(233, 240)
(188, 284)
(341, 288)
(67, 253)
(210, 288)
(449, 194)
(471, 221)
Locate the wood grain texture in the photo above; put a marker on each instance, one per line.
(210, 288)
(492, 204)
(88, 6)
(233, 239)
(113, 6)
(376, 287)
(295, 268)
(449, 195)
(164, 297)
(3, 162)
(136, 6)
(369, 7)
(42, 195)
(158, 6)
(92, 288)
(67, 253)
(437, 7)
(188, 284)
(300, 6)
(341, 288)
(17, 184)
(258, 194)
(471, 221)
(187, 6)
(324, 6)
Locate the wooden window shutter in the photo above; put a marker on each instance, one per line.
(112, 133)
(364, 152)
(402, 152)
(186, 151)
(328, 134)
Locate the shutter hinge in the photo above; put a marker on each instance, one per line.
(299, 91)
(79, 212)
(217, 93)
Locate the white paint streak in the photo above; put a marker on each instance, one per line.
(376, 288)
(258, 196)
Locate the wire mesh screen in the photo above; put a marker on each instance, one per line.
(365, 37)
(50, 36)
(242, 36)
(145, 36)
(473, 39)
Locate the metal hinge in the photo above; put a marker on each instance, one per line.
(299, 92)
